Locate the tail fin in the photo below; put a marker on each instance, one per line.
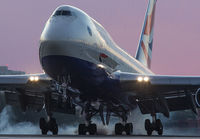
(144, 51)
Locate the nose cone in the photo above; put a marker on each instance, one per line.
(59, 28)
(66, 23)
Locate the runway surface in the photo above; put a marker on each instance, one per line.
(25, 125)
(91, 137)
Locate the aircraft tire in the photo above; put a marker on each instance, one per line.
(82, 129)
(92, 129)
(159, 127)
(148, 127)
(42, 123)
(53, 126)
(55, 130)
(43, 126)
(118, 129)
(147, 124)
(129, 128)
(44, 131)
(149, 132)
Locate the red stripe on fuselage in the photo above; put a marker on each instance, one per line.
(103, 55)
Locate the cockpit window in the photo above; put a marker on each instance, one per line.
(64, 13)
(58, 13)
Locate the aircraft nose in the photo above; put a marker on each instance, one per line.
(68, 34)
(69, 25)
(61, 36)
(58, 28)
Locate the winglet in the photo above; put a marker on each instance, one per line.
(144, 51)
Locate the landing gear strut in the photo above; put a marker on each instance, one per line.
(50, 124)
(64, 101)
(156, 125)
(89, 128)
(123, 127)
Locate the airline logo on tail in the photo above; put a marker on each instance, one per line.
(144, 52)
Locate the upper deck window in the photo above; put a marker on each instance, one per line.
(64, 13)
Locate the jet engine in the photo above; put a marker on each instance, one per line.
(197, 98)
(2, 100)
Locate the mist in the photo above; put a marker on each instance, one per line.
(13, 121)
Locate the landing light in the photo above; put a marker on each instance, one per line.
(146, 79)
(31, 78)
(140, 79)
(143, 79)
(34, 78)
(100, 66)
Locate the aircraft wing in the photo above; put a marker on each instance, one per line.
(27, 81)
(160, 94)
(29, 92)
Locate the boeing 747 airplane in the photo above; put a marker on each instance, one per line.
(83, 67)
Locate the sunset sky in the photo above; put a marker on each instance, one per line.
(176, 47)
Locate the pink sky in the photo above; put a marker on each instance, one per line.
(177, 32)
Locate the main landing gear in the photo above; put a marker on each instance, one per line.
(88, 128)
(91, 129)
(83, 129)
(119, 111)
(124, 127)
(63, 101)
(49, 125)
(104, 109)
(120, 128)
(156, 125)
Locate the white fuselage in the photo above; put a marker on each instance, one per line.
(83, 38)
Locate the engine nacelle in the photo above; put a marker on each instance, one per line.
(197, 98)
(2, 100)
